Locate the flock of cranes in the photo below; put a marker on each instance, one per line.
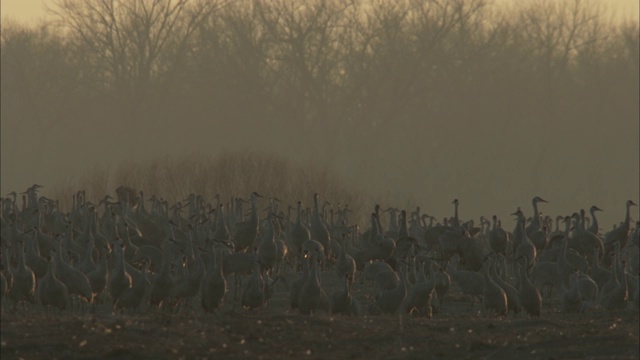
(197, 256)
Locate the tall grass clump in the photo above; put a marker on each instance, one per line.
(229, 174)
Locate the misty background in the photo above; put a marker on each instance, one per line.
(412, 102)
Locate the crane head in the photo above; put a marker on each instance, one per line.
(538, 199)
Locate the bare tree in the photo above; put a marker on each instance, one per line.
(132, 45)
(304, 52)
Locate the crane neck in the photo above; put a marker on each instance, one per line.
(536, 215)
(403, 231)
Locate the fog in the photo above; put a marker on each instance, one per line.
(415, 102)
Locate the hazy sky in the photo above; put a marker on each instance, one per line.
(555, 183)
(32, 10)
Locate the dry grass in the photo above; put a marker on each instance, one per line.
(228, 174)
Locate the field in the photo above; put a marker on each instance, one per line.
(455, 332)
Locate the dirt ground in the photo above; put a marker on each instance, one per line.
(455, 332)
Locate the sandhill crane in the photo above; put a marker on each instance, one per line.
(151, 253)
(376, 211)
(282, 251)
(406, 245)
(455, 222)
(296, 285)
(419, 264)
(418, 224)
(634, 237)
(493, 297)
(269, 286)
(373, 268)
(4, 284)
(87, 263)
(554, 274)
(214, 285)
(222, 231)
(389, 301)
(535, 224)
(594, 228)
(313, 246)
(379, 246)
(119, 278)
(530, 297)
(583, 240)
(616, 298)
(52, 291)
(99, 275)
(412, 272)
(599, 274)
(588, 288)
(237, 264)
(312, 297)
(268, 250)
(130, 249)
(246, 232)
(345, 264)
(299, 232)
(449, 240)
(634, 261)
(85, 251)
(572, 299)
(564, 266)
(341, 299)
(318, 229)
(386, 280)
(485, 228)
(253, 290)
(636, 295)
(133, 297)
(621, 233)
(74, 279)
(34, 261)
(24, 280)
(188, 286)
(470, 252)
(525, 248)
(513, 297)
(443, 282)
(4, 287)
(469, 282)
(615, 275)
(126, 194)
(162, 285)
(394, 227)
(420, 296)
(547, 274)
(498, 238)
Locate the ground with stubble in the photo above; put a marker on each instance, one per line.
(455, 332)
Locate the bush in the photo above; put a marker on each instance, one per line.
(230, 174)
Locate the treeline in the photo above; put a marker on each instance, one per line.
(386, 91)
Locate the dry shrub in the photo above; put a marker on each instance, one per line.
(229, 174)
